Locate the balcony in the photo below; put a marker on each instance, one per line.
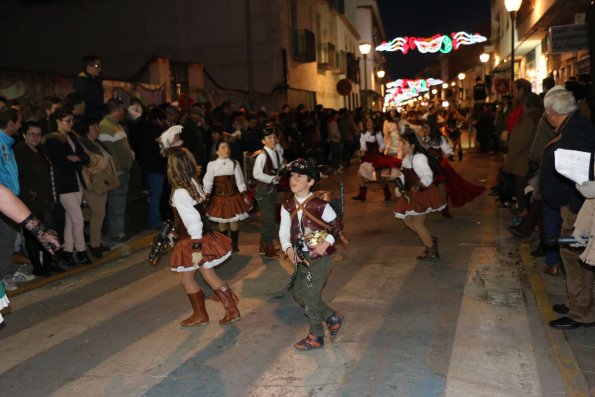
(327, 56)
(304, 46)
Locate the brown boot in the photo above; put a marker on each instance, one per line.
(361, 196)
(262, 247)
(387, 194)
(200, 315)
(270, 252)
(229, 300)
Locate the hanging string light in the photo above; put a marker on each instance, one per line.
(438, 42)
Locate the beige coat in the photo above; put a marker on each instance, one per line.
(584, 222)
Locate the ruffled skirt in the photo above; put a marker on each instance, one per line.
(226, 209)
(4, 302)
(216, 248)
(458, 189)
(421, 202)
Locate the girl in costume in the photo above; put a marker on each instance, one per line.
(371, 148)
(224, 183)
(196, 247)
(417, 195)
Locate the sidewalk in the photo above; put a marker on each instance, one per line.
(136, 243)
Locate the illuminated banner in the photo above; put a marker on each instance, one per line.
(402, 90)
(442, 43)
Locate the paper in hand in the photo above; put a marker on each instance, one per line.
(573, 164)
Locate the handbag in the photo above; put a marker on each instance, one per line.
(105, 179)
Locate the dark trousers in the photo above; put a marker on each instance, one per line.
(552, 222)
(267, 204)
(308, 294)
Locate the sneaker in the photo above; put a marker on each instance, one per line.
(120, 238)
(310, 342)
(335, 324)
(9, 284)
(22, 277)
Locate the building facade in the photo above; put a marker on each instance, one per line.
(265, 53)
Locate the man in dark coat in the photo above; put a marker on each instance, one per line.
(89, 85)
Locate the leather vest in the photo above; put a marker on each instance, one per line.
(268, 168)
(435, 152)
(225, 185)
(312, 210)
(411, 178)
(180, 232)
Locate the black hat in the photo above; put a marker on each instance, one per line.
(268, 129)
(304, 167)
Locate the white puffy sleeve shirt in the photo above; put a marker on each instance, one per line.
(260, 161)
(328, 215)
(421, 167)
(221, 167)
(184, 204)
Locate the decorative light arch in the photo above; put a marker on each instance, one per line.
(438, 42)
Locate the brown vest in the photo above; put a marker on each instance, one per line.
(268, 168)
(225, 185)
(312, 210)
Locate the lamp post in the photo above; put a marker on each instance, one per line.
(365, 48)
(512, 6)
(484, 58)
(461, 77)
(380, 74)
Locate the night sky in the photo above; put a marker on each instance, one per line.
(425, 18)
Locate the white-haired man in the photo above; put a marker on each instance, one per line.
(574, 132)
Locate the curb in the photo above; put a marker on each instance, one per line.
(574, 379)
(123, 250)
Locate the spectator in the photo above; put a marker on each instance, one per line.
(38, 193)
(347, 129)
(573, 132)
(10, 122)
(68, 158)
(49, 105)
(522, 88)
(75, 103)
(172, 116)
(3, 102)
(479, 91)
(334, 140)
(516, 162)
(89, 85)
(144, 142)
(193, 135)
(100, 177)
(114, 138)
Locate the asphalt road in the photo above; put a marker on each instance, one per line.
(467, 325)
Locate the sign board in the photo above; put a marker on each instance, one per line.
(567, 38)
(344, 87)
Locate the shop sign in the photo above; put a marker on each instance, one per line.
(567, 38)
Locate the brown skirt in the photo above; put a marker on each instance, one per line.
(216, 248)
(226, 209)
(428, 200)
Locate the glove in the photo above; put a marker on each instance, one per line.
(196, 253)
(47, 238)
(587, 189)
(581, 238)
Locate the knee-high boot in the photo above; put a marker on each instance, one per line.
(229, 300)
(361, 196)
(387, 194)
(234, 240)
(200, 315)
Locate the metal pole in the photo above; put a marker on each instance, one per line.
(512, 22)
(249, 62)
(364, 97)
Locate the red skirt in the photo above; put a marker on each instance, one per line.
(458, 189)
(216, 248)
(387, 162)
(421, 202)
(226, 209)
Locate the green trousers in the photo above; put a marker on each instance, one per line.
(308, 294)
(267, 203)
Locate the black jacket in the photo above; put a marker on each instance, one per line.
(66, 171)
(91, 89)
(34, 178)
(576, 133)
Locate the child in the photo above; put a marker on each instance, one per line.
(310, 225)
(419, 195)
(197, 247)
(266, 173)
(371, 147)
(225, 180)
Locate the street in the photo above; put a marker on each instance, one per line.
(467, 325)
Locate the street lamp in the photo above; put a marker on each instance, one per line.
(364, 49)
(380, 74)
(461, 77)
(484, 57)
(512, 6)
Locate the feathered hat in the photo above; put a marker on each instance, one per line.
(168, 136)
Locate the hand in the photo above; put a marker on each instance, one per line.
(587, 189)
(73, 157)
(321, 248)
(196, 257)
(291, 255)
(581, 238)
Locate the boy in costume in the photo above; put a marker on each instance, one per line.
(309, 228)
